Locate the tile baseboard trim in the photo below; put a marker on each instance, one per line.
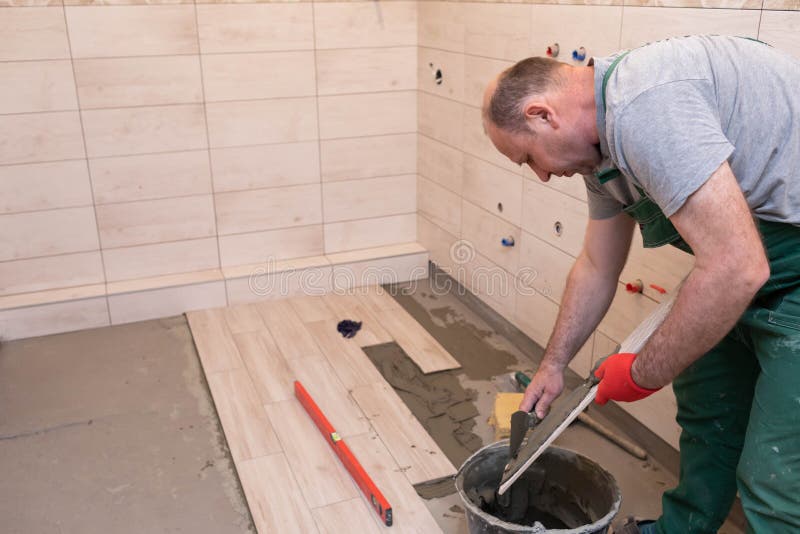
(405, 261)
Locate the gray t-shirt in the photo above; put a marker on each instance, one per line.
(677, 109)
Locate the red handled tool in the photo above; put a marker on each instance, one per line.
(373, 494)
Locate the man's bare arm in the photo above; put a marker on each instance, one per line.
(590, 289)
(730, 268)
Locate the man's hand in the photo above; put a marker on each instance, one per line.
(545, 386)
(616, 380)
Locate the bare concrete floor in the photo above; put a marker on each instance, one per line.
(113, 430)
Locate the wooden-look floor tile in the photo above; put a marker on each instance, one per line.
(345, 516)
(273, 496)
(349, 307)
(247, 428)
(319, 379)
(243, 318)
(409, 443)
(408, 510)
(351, 365)
(287, 329)
(420, 346)
(214, 341)
(319, 473)
(269, 371)
(312, 309)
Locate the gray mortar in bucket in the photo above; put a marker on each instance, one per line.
(567, 493)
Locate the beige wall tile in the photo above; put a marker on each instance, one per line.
(46, 233)
(573, 186)
(786, 5)
(781, 30)
(366, 70)
(37, 86)
(368, 114)
(361, 24)
(41, 186)
(492, 283)
(150, 176)
(51, 272)
(441, 206)
(261, 122)
(368, 157)
(731, 4)
(441, 119)
(33, 33)
(261, 285)
(646, 24)
(438, 242)
(374, 197)
(483, 232)
(365, 233)
(160, 259)
(255, 167)
(155, 221)
(536, 316)
(663, 266)
(596, 28)
(144, 305)
(478, 72)
(267, 209)
(543, 267)
(441, 163)
(441, 25)
(380, 271)
(139, 81)
(451, 65)
(114, 31)
(497, 30)
(255, 27)
(626, 312)
(544, 207)
(258, 75)
(127, 131)
(477, 143)
(53, 318)
(260, 247)
(38, 137)
(489, 187)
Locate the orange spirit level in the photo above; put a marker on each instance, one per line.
(373, 494)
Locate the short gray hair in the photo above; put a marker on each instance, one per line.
(531, 76)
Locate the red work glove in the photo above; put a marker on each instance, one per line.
(616, 382)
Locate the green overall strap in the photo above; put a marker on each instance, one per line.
(609, 174)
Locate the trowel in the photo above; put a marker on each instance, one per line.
(531, 436)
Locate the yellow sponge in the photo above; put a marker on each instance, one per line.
(505, 404)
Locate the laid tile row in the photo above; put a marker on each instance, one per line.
(141, 30)
(502, 32)
(55, 136)
(709, 4)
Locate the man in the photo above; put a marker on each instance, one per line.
(697, 139)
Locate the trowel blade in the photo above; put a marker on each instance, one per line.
(520, 424)
(543, 434)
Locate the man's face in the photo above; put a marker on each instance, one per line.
(548, 152)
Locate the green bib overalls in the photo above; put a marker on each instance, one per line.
(739, 404)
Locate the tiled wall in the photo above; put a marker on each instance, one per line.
(169, 137)
(463, 180)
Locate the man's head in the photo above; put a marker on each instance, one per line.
(541, 112)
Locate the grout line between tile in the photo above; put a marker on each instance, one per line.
(208, 149)
(86, 159)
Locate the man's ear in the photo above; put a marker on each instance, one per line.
(539, 115)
